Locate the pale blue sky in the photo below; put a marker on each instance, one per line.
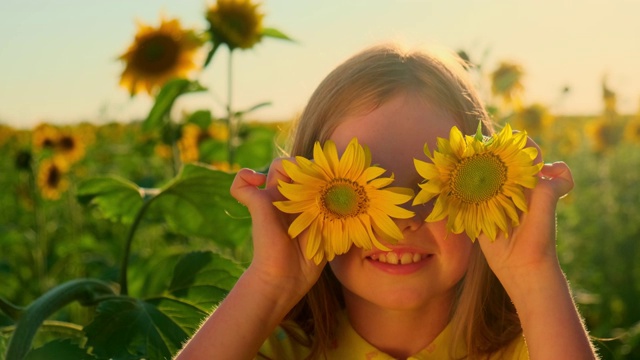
(58, 58)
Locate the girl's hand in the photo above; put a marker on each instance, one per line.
(278, 260)
(532, 244)
(526, 263)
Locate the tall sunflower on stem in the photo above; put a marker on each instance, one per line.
(238, 25)
(342, 201)
(478, 182)
(158, 55)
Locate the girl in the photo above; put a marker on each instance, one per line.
(451, 298)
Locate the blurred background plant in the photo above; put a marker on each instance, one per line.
(118, 239)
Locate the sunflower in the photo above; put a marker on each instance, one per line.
(478, 181)
(605, 133)
(51, 178)
(189, 143)
(236, 23)
(506, 82)
(70, 146)
(534, 119)
(342, 201)
(158, 55)
(632, 131)
(45, 137)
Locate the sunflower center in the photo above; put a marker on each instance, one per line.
(478, 178)
(67, 143)
(156, 54)
(53, 177)
(344, 198)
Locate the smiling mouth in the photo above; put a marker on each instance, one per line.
(398, 259)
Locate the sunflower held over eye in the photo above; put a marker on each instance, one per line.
(158, 55)
(478, 181)
(342, 201)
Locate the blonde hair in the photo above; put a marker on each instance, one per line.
(483, 316)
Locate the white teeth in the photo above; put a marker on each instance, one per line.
(392, 258)
(395, 259)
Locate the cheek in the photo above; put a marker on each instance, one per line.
(456, 248)
(343, 266)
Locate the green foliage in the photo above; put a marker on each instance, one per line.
(197, 187)
(118, 199)
(165, 99)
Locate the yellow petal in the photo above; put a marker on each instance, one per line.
(301, 223)
(372, 172)
(425, 169)
(314, 240)
(384, 226)
(294, 207)
(322, 161)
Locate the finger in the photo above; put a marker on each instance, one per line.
(245, 186)
(277, 172)
(559, 177)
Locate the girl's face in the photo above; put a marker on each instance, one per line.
(396, 133)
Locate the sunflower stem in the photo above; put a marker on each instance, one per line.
(124, 289)
(84, 291)
(231, 121)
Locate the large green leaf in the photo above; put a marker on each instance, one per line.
(257, 149)
(197, 203)
(204, 278)
(118, 199)
(59, 349)
(165, 99)
(128, 328)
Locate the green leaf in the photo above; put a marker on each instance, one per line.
(202, 118)
(204, 278)
(128, 328)
(198, 203)
(118, 199)
(275, 33)
(253, 108)
(216, 44)
(257, 149)
(478, 136)
(213, 151)
(59, 349)
(165, 99)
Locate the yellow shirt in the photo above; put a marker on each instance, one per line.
(350, 345)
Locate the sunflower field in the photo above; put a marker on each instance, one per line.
(116, 240)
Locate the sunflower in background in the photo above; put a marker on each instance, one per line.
(158, 55)
(632, 129)
(70, 147)
(506, 83)
(606, 131)
(51, 179)
(236, 23)
(45, 137)
(534, 119)
(189, 143)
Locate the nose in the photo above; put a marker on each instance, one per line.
(415, 222)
